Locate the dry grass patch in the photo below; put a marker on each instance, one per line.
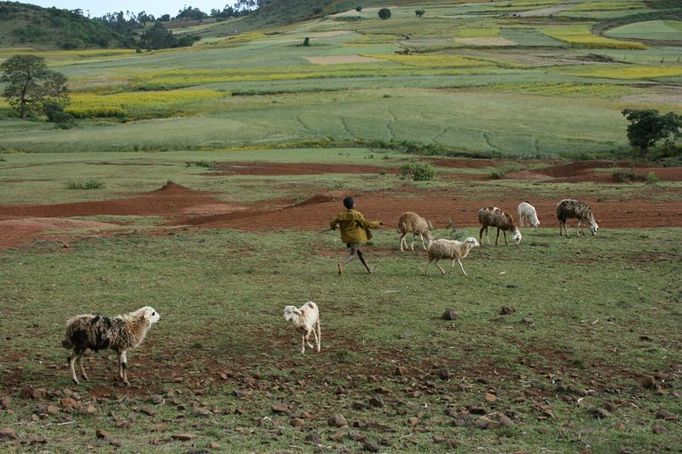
(340, 59)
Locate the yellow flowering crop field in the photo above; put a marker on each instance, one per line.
(580, 36)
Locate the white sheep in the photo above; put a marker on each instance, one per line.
(306, 320)
(496, 217)
(99, 332)
(527, 214)
(410, 222)
(450, 249)
(571, 208)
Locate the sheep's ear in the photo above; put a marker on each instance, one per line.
(298, 311)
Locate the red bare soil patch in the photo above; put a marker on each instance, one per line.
(594, 171)
(16, 232)
(270, 168)
(172, 199)
(437, 206)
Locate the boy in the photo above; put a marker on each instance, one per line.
(355, 231)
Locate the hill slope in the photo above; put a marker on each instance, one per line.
(23, 25)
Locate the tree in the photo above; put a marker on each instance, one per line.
(384, 13)
(29, 84)
(419, 12)
(648, 127)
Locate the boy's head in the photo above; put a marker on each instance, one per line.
(348, 202)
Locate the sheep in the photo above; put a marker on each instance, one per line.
(527, 214)
(571, 208)
(496, 217)
(99, 332)
(412, 222)
(450, 249)
(306, 320)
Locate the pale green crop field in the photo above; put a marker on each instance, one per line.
(656, 29)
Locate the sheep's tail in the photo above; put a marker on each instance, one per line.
(402, 227)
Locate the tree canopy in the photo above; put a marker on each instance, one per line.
(29, 84)
(648, 127)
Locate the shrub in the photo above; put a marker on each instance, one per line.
(627, 176)
(90, 183)
(419, 12)
(205, 164)
(55, 114)
(418, 171)
(358, 8)
(384, 13)
(651, 178)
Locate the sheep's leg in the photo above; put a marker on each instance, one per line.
(504, 232)
(316, 330)
(307, 339)
(80, 363)
(427, 266)
(414, 236)
(72, 361)
(439, 267)
(480, 234)
(403, 240)
(423, 244)
(462, 266)
(319, 335)
(579, 228)
(497, 238)
(302, 344)
(123, 367)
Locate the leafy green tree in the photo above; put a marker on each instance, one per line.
(157, 37)
(29, 84)
(384, 13)
(648, 127)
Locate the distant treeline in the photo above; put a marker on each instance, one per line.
(72, 29)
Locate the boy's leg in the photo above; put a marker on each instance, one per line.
(352, 252)
(362, 259)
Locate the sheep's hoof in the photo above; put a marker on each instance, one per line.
(75, 381)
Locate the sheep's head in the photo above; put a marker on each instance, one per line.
(472, 242)
(149, 313)
(291, 313)
(429, 238)
(594, 228)
(536, 224)
(516, 237)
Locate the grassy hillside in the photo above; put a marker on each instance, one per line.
(23, 25)
(522, 78)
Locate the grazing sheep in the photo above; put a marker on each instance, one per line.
(306, 320)
(412, 222)
(496, 217)
(571, 208)
(527, 214)
(99, 332)
(450, 249)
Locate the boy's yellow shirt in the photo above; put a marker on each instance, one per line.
(355, 229)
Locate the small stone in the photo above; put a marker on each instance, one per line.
(52, 410)
(507, 310)
(666, 415)
(358, 406)
(313, 438)
(450, 314)
(648, 382)
(280, 408)
(5, 402)
(337, 436)
(30, 392)
(482, 422)
(477, 410)
(338, 420)
(213, 445)
(528, 321)
(68, 403)
(90, 409)
(161, 427)
(444, 374)
(504, 420)
(490, 397)
(401, 371)
(102, 434)
(602, 413)
(8, 433)
(158, 399)
(371, 446)
(116, 443)
(413, 421)
(376, 401)
(297, 422)
(658, 429)
(183, 436)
